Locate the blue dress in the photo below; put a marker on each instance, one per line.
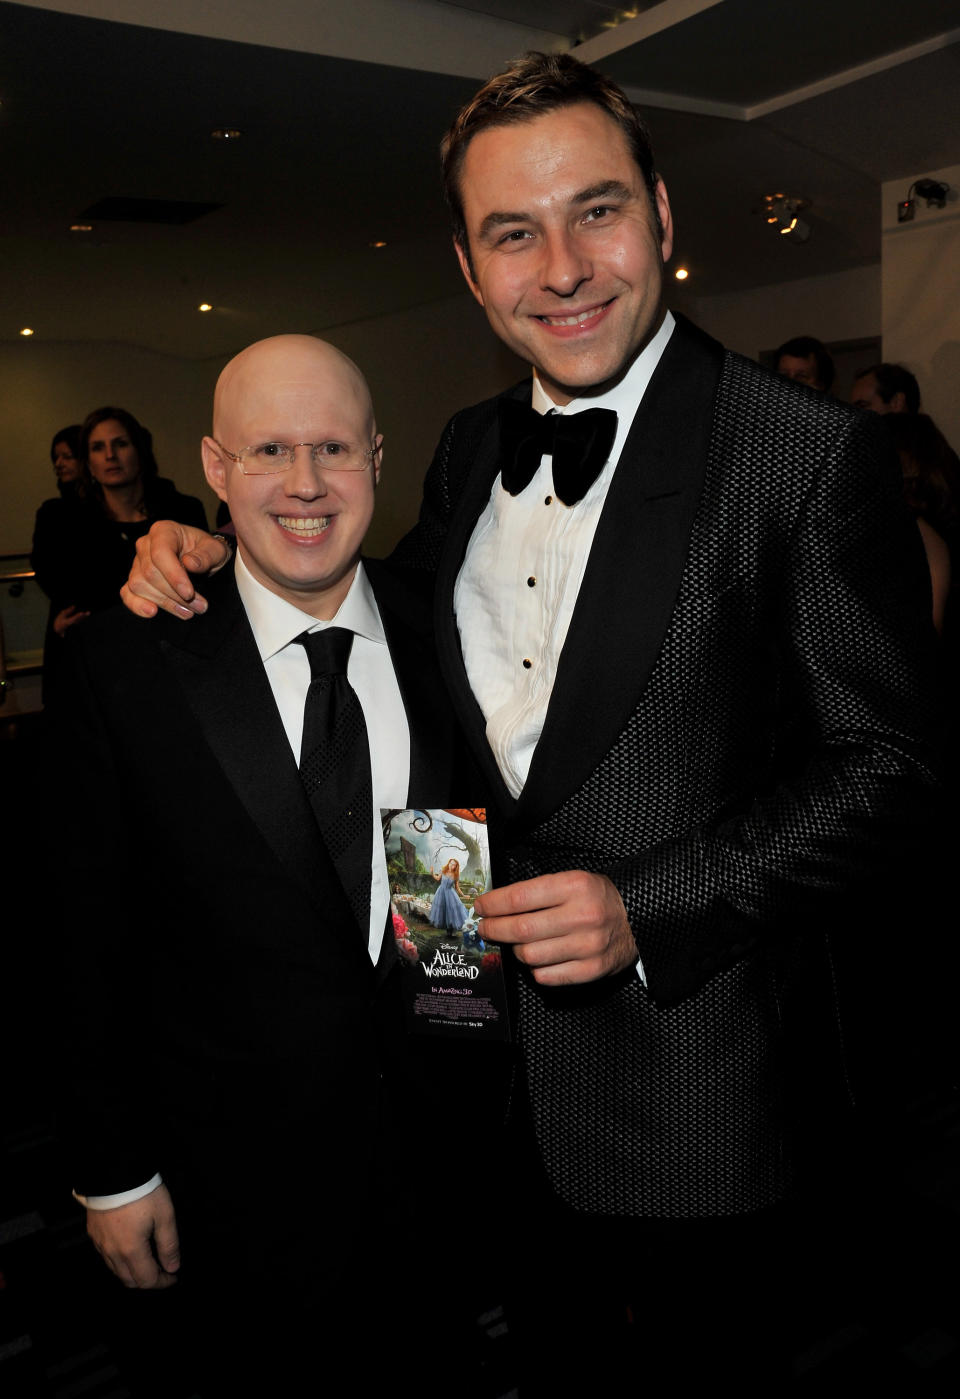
(447, 911)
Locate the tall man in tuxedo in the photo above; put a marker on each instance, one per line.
(689, 646)
(234, 1046)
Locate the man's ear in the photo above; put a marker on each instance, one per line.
(898, 403)
(463, 257)
(666, 219)
(214, 467)
(377, 458)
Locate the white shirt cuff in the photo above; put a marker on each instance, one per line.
(126, 1197)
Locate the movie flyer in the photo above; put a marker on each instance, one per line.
(438, 863)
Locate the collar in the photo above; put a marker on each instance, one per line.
(624, 396)
(275, 622)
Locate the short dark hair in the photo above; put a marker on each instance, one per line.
(70, 435)
(894, 378)
(802, 347)
(140, 436)
(529, 87)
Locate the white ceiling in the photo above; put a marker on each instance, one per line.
(342, 105)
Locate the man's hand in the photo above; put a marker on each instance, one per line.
(139, 1242)
(567, 928)
(64, 620)
(159, 578)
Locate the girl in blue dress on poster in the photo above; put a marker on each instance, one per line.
(447, 911)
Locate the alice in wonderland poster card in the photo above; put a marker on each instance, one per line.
(438, 864)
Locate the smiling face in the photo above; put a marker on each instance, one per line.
(299, 530)
(111, 456)
(566, 258)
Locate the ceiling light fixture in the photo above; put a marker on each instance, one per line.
(81, 228)
(26, 330)
(379, 244)
(681, 274)
(781, 212)
(204, 306)
(226, 133)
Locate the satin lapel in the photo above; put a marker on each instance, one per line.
(217, 664)
(633, 574)
(472, 502)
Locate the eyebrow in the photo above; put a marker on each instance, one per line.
(593, 194)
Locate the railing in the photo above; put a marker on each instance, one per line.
(23, 620)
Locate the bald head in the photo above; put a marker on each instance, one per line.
(300, 519)
(287, 378)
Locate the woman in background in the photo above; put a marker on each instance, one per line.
(65, 455)
(83, 549)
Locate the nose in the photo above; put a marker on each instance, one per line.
(565, 264)
(304, 479)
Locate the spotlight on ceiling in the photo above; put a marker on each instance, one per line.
(226, 133)
(781, 212)
(26, 330)
(681, 274)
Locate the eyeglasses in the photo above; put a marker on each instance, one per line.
(271, 457)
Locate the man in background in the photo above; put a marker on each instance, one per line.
(886, 388)
(806, 360)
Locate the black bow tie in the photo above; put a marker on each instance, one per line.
(579, 444)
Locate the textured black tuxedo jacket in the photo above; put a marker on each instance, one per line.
(738, 737)
(227, 1026)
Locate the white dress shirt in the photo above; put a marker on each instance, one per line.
(521, 577)
(275, 622)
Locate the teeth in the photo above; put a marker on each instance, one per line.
(299, 525)
(572, 320)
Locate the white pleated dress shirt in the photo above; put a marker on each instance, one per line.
(521, 577)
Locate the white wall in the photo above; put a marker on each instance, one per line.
(841, 306)
(423, 364)
(921, 296)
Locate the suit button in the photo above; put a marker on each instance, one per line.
(531, 582)
(548, 500)
(527, 664)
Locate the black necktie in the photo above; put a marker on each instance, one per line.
(335, 764)
(579, 443)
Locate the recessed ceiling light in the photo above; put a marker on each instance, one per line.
(81, 228)
(226, 133)
(681, 274)
(379, 244)
(204, 306)
(26, 330)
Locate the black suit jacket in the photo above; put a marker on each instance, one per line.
(226, 1025)
(738, 736)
